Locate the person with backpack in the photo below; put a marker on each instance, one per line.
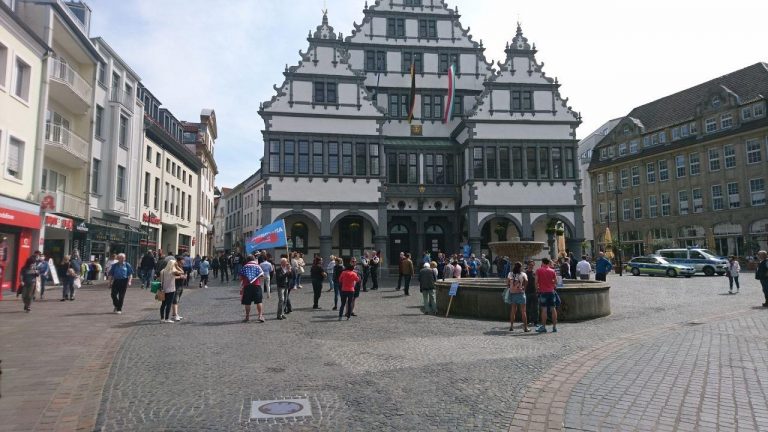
(517, 282)
(251, 276)
(203, 269)
(147, 269)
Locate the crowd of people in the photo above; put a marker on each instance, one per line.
(529, 291)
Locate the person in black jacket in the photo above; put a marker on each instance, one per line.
(317, 275)
(224, 267)
(147, 269)
(337, 270)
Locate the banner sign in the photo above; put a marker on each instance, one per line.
(19, 218)
(454, 289)
(270, 237)
(59, 222)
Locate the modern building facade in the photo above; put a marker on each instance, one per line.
(348, 171)
(21, 71)
(115, 179)
(171, 170)
(67, 121)
(691, 169)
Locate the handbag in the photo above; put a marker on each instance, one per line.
(154, 287)
(160, 296)
(77, 283)
(505, 295)
(37, 286)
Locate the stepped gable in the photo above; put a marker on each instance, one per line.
(521, 70)
(744, 86)
(460, 37)
(327, 58)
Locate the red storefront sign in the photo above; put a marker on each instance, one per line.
(59, 222)
(19, 219)
(150, 218)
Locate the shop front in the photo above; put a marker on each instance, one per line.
(59, 238)
(150, 225)
(19, 222)
(106, 238)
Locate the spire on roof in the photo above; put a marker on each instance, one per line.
(324, 30)
(520, 42)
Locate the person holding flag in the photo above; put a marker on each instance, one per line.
(251, 276)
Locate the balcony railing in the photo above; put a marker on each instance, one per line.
(61, 71)
(58, 136)
(66, 203)
(122, 97)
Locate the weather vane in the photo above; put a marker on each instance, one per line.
(325, 7)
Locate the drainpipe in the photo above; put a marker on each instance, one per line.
(37, 170)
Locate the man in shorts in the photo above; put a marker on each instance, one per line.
(251, 276)
(546, 280)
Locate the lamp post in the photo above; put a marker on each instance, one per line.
(616, 194)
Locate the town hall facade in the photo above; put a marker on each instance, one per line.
(347, 171)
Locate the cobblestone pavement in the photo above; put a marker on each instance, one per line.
(392, 368)
(56, 359)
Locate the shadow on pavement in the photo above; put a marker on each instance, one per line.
(220, 323)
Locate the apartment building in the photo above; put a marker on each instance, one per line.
(689, 169)
(253, 192)
(220, 220)
(68, 92)
(233, 219)
(201, 139)
(114, 225)
(169, 181)
(21, 71)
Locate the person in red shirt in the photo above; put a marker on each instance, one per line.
(546, 280)
(348, 279)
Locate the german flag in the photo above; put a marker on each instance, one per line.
(412, 95)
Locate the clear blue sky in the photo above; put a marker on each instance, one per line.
(608, 56)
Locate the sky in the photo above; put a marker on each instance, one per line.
(609, 56)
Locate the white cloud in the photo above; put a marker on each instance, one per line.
(608, 56)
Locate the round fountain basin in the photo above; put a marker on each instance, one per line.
(481, 298)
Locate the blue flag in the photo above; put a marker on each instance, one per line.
(270, 237)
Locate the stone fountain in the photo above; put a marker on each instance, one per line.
(516, 250)
(481, 297)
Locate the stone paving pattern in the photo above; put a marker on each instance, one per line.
(392, 368)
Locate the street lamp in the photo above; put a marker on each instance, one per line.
(616, 194)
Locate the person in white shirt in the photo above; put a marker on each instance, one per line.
(583, 268)
(733, 274)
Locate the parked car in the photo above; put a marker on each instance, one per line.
(656, 265)
(702, 260)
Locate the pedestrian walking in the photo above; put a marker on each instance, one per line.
(407, 270)
(236, 263)
(45, 271)
(28, 277)
(224, 268)
(186, 264)
(546, 280)
(427, 288)
(169, 276)
(67, 274)
(283, 279)
(602, 267)
(400, 275)
(251, 276)
(147, 269)
(338, 268)
(531, 299)
(348, 279)
(583, 268)
(110, 262)
(268, 270)
(215, 266)
(120, 277)
(204, 269)
(317, 275)
(762, 273)
(733, 274)
(517, 282)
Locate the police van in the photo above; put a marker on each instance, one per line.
(702, 260)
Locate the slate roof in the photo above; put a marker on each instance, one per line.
(749, 84)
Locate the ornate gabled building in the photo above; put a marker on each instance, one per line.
(689, 169)
(348, 171)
